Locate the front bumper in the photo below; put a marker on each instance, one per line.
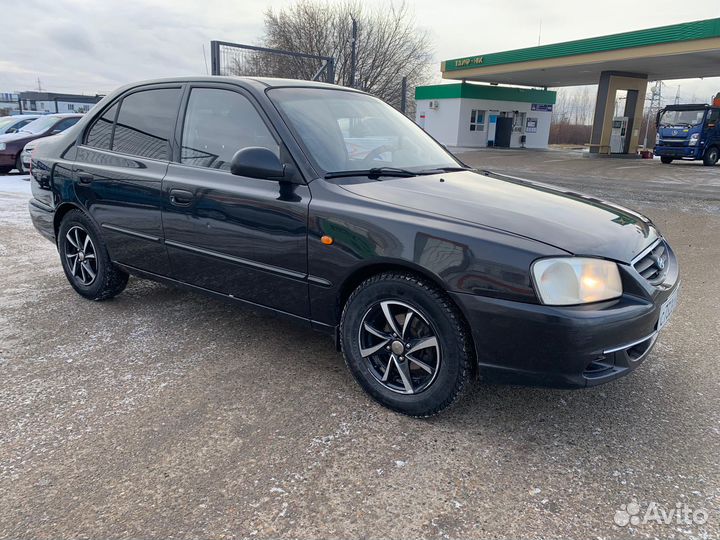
(568, 346)
(693, 152)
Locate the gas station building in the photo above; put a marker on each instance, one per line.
(478, 109)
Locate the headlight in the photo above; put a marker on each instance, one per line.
(2, 146)
(694, 138)
(576, 280)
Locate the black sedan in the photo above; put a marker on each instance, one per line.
(325, 205)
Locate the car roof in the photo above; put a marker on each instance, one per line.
(61, 115)
(22, 116)
(257, 82)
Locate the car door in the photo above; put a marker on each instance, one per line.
(239, 236)
(118, 173)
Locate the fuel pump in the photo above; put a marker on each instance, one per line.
(618, 134)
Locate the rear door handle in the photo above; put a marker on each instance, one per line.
(181, 197)
(85, 177)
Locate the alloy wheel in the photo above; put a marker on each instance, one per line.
(399, 346)
(81, 255)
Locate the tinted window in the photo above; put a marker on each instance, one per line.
(145, 123)
(64, 124)
(217, 124)
(101, 131)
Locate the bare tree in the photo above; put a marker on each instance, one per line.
(389, 45)
(572, 116)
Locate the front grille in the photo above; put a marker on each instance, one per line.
(673, 142)
(653, 264)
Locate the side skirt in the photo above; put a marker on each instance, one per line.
(315, 325)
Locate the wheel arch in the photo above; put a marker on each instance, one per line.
(364, 272)
(61, 211)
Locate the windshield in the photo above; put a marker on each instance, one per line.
(682, 118)
(40, 125)
(7, 121)
(347, 131)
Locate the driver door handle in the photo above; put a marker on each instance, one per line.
(181, 197)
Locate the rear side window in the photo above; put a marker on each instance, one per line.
(145, 123)
(66, 123)
(100, 133)
(217, 124)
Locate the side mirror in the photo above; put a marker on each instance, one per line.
(257, 162)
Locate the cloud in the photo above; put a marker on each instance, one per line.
(90, 46)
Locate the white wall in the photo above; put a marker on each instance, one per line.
(441, 123)
(450, 122)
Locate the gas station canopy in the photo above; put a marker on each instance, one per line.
(679, 51)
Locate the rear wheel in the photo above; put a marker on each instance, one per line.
(19, 165)
(406, 344)
(85, 259)
(711, 156)
(666, 160)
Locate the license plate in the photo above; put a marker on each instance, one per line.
(667, 308)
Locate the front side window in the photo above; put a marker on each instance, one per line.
(217, 124)
(348, 131)
(145, 123)
(100, 134)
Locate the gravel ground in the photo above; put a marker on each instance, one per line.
(165, 414)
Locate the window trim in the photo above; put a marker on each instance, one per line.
(180, 123)
(119, 100)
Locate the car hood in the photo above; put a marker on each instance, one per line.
(12, 137)
(576, 223)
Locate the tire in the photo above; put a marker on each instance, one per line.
(666, 160)
(391, 377)
(19, 165)
(89, 268)
(711, 156)
(5, 170)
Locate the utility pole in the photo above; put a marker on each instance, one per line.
(540, 32)
(353, 53)
(39, 85)
(403, 95)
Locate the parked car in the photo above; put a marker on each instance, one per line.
(11, 144)
(12, 124)
(424, 270)
(27, 151)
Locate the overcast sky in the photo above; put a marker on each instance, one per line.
(95, 46)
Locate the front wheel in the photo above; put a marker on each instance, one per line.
(711, 156)
(666, 160)
(406, 344)
(85, 259)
